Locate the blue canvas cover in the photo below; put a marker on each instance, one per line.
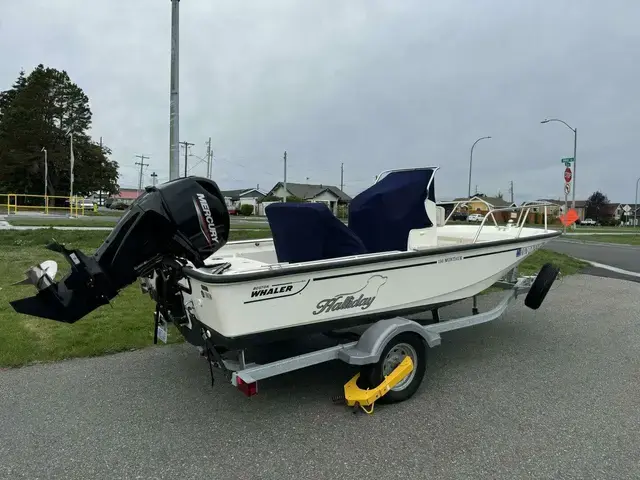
(304, 232)
(383, 215)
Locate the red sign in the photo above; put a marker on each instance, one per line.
(567, 174)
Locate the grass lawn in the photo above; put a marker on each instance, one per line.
(104, 213)
(603, 238)
(604, 230)
(128, 324)
(60, 222)
(98, 222)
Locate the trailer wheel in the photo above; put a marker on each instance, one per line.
(405, 344)
(541, 286)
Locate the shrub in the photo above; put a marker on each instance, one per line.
(246, 209)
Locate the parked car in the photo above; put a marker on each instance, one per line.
(475, 217)
(459, 216)
(86, 203)
(588, 221)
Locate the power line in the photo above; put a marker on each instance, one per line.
(142, 165)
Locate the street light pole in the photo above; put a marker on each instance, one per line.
(575, 160)
(635, 206)
(471, 163)
(45, 172)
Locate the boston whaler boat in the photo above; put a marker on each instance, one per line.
(397, 256)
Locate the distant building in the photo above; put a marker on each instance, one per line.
(331, 195)
(243, 196)
(125, 195)
(478, 204)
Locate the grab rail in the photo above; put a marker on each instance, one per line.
(524, 217)
(524, 210)
(489, 207)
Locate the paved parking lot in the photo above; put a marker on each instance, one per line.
(547, 394)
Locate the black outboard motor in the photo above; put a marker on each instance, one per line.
(184, 218)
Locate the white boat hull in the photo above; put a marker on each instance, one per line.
(355, 293)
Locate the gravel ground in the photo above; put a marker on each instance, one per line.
(548, 394)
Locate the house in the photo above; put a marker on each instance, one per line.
(243, 196)
(478, 204)
(125, 195)
(555, 210)
(330, 195)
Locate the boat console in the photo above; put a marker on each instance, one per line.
(391, 215)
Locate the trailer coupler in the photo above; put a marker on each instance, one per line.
(363, 398)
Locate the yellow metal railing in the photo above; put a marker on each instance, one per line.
(43, 203)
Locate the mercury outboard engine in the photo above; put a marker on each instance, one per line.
(185, 218)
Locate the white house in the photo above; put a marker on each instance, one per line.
(244, 196)
(330, 195)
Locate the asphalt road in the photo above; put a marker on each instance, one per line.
(625, 257)
(553, 393)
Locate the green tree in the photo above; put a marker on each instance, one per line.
(596, 201)
(41, 110)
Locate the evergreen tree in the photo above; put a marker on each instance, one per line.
(41, 110)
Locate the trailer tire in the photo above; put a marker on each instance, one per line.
(541, 286)
(410, 344)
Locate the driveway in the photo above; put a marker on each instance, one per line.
(548, 394)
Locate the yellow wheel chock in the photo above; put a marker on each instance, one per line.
(356, 396)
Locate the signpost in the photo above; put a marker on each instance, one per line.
(568, 176)
(626, 209)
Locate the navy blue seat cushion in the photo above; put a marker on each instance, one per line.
(383, 214)
(304, 232)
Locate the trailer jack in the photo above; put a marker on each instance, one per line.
(363, 398)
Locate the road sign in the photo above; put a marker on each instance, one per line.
(626, 209)
(567, 160)
(567, 174)
(567, 188)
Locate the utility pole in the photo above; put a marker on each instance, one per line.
(209, 158)
(342, 177)
(285, 176)
(154, 178)
(511, 190)
(186, 152)
(174, 133)
(142, 165)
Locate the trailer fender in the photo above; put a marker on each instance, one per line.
(373, 341)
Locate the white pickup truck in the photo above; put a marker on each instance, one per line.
(588, 221)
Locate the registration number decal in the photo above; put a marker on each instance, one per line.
(522, 251)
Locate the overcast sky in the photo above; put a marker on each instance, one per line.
(372, 84)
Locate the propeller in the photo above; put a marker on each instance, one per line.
(42, 276)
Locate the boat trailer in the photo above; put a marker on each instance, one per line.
(391, 353)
